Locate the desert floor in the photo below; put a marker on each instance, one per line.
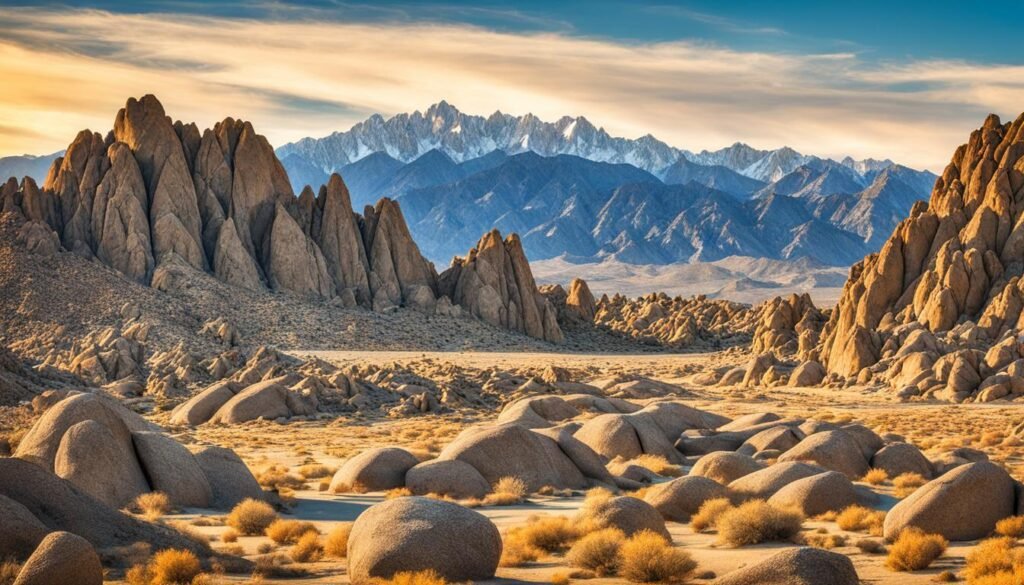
(929, 425)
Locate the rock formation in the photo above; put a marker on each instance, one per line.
(494, 283)
(155, 194)
(950, 274)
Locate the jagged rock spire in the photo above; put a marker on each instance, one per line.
(155, 191)
(959, 258)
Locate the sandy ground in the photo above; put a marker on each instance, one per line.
(930, 425)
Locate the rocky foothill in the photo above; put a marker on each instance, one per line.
(154, 195)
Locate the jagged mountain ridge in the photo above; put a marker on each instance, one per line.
(556, 204)
(463, 137)
(155, 197)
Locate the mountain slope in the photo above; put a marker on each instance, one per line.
(464, 137)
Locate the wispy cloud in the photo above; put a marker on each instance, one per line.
(69, 69)
(714, 20)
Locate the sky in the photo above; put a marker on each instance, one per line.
(900, 80)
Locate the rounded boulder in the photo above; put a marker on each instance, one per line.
(680, 498)
(797, 566)
(834, 450)
(419, 534)
(764, 483)
(825, 492)
(630, 515)
(899, 458)
(725, 466)
(374, 470)
(62, 557)
(453, 478)
(963, 504)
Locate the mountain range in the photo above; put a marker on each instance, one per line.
(589, 211)
(574, 191)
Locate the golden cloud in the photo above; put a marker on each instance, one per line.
(69, 69)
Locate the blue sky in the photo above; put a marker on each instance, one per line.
(905, 80)
(982, 31)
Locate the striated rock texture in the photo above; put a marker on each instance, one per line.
(155, 193)
(787, 325)
(494, 283)
(948, 277)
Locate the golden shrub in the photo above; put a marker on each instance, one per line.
(914, 550)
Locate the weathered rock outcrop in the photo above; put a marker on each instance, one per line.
(953, 266)
(154, 194)
(494, 283)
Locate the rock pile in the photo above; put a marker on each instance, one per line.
(494, 282)
(787, 325)
(928, 312)
(154, 196)
(114, 455)
(657, 319)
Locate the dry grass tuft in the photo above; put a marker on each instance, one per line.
(308, 549)
(152, 505)
(1012, 526)
(597, 552)
(277, 477)
(315, 471)
(173, 567)
(507, 491)
(559, 579)
(401, 492)
(284, 531)
(9, 570)
(825, 541)
(336, 542)
(945, 577)
(914, 550)
(428, 577)
(994, 562)
(251, 517)
(647, 557)
(907, 483)
(230, 535)
(708, 514)
(870, 546)
(551, 534)
(758, 521)
(875, 476)
(656, 464)
(861, 519)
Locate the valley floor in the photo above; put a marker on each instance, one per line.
(929, 425)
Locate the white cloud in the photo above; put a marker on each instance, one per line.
(69, 69)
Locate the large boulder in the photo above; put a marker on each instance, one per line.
(835, 450)
(229, 477)
(62, 557)
(868, 440)
(779, 438)
(611, 436)
(680, 498)
(41, 442)
(630, 515)
(763, 484)
(59, 505)
(419, 534)
(374, 470)
(826, 492)
(452, 478)
(198, 409)
(267, 400)
(586, 460)
(100, 463)
(172, 469)
(963, 504)
(899, 458)
(20, 531)
(725, 466)
(510, 450)
(796, 566)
